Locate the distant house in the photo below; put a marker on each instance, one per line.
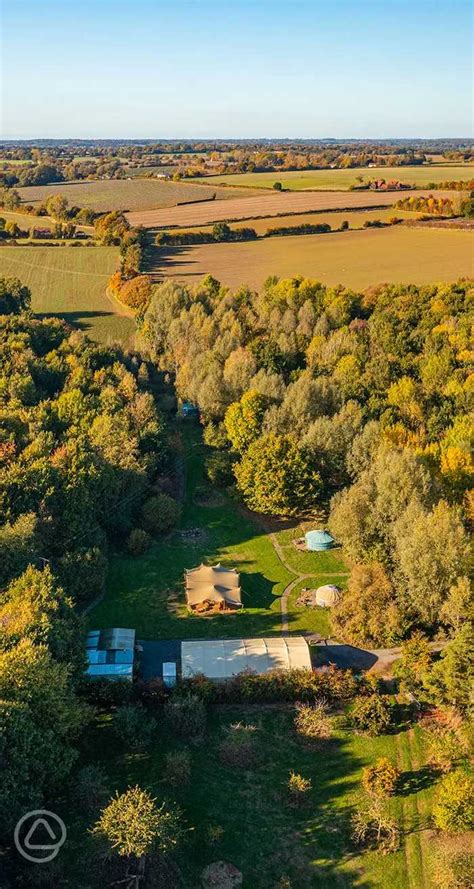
(212, 587)
(111, 653)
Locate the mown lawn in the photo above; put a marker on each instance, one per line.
(263, 834)
(70, 282)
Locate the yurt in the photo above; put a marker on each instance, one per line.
(328, 595)
(317, 541)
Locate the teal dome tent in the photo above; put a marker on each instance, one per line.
(317, 541)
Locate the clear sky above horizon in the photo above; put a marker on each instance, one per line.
(236, 68)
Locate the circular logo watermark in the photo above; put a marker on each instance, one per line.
(39, 835)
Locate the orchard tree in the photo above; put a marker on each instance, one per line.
(135, 827)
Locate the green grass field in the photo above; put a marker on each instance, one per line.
(355, 258)
(147, 592)
(128, 194)
(262, 833)
(340, 180)
(70, 282)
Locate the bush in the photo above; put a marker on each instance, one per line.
(159, 514)
(133, 727)
(298, 787)
(372, 715)
(306, 686)
(136, 292)
(185, 714)
(106, 693)
(381, 779)
(446, 745)
(373, 829)
(313, 721)
(277, 186)
(90, 789)
(238, 747)
(139, 542)
(453, 809)
(344, 225)
(177, 768)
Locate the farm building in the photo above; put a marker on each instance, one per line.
(319, 540)
(110, 653)
(328, 595)
(224, 658)
(212, 587)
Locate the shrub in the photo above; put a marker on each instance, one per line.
(453, 809)
(178, 767)
(133, 727)
(185, 714)
(139, 542)
(372, 715)
(344, 225)
(446, 745)
(90, 789)
(277, 186)
(105, 693)
(374, 829)
(239, 748)
(298, 787)
(381, 779)
(313, 721)
(159, 514)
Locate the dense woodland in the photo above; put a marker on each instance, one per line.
(359, 404)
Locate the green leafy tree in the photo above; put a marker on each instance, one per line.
(14, 296)
(372, 715)
(275, 476)
(243, 420)
(450, 680)
(453, 808)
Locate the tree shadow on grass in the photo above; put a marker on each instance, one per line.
(415, 781)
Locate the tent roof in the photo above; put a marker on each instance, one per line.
(223, 658)
(319, 536)
(212, 582)
(328, 594)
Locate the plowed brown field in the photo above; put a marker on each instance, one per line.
(267, 205)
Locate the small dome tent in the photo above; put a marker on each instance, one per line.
(327, 596)
(319, 540)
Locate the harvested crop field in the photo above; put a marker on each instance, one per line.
(275, 204)
(70, 282)
(128, 194)
(355, 259)
(298, 180)
(355, 218)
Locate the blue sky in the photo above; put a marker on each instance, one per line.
(299, 68)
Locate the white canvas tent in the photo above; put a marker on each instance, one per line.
(213, 583)
(224, 658)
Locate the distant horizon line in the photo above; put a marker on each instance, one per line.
(4, 139)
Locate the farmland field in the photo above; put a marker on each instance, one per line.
(354, 258)
(26, 221)
(355, 218)
(298, 180)
(275, 204)
(70, 282)
(127, 194)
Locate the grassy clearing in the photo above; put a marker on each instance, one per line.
(263, 834)
(70, 282)
(25, 221)
(356, 259)
(299, 180)
(147, 592)
(126, 194)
